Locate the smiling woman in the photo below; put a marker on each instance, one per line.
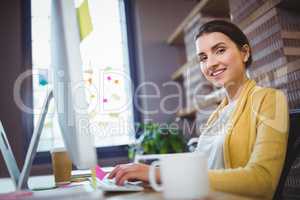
(224, 54)
(245, 138)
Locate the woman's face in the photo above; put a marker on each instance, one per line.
(221, 61)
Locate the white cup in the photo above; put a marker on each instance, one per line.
(183, 176)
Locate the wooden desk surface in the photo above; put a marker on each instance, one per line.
(6, 185)
(149, 194)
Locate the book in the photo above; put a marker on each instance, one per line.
(270, 65)
(280, 77)
(265, 62)
(245, 10)
(255, 12)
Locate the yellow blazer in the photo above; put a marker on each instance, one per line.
(255, 144)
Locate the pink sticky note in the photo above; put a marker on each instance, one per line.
(100, 173)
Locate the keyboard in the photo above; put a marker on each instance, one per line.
(109, 185)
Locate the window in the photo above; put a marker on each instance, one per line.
(105, 70)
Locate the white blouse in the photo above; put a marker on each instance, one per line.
(212, 138)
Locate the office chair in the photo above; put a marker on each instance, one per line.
(289, 182)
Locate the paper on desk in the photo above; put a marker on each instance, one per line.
(15, 195)
(100, 174)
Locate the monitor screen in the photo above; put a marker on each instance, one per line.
(68, 85)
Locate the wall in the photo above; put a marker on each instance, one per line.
(12, 64)
(155, 21)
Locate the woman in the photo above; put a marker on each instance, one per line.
(246, 155)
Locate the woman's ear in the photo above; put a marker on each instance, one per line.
(246, 52)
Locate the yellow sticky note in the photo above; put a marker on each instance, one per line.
(84, 19)
(94, 184)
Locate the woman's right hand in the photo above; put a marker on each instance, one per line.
(131, 172)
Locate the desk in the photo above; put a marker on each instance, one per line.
(6, 185)
(149, 194)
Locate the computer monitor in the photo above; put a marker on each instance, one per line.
(69, 96)
(68, 84)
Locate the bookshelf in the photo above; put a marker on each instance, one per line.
(216, 8)
(274, 33)
(273, 29)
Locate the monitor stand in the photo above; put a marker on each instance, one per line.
(21, 179)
